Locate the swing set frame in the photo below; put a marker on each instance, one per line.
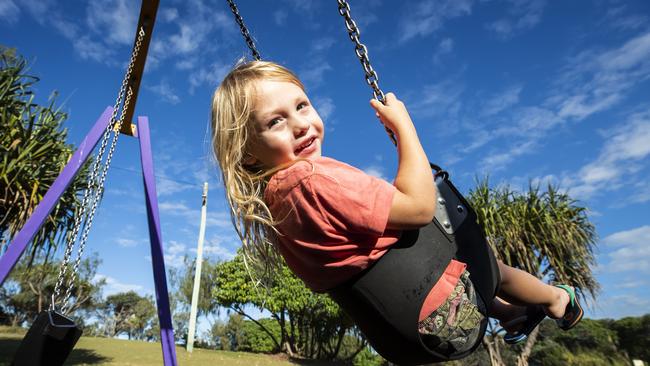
(140, 131)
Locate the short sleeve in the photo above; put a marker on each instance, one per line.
(351, 200)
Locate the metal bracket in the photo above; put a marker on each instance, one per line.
(450, 211)
(129, 129)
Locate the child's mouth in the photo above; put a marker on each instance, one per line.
(306, 146)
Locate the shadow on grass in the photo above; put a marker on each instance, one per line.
(303, 362)
(8, 348)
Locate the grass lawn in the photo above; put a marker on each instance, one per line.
(108, 351)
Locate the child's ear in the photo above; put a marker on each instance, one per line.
(249, 160)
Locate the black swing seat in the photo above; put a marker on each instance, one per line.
(48, 342)
(385, 300)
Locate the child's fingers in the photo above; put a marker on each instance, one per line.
(390, 98)
(374, 103)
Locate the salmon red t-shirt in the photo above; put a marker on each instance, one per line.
(332, 219)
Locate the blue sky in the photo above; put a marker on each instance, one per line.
(522, 90)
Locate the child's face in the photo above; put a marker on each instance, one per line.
(286, 125)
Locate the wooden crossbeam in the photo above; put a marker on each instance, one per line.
(147, 19)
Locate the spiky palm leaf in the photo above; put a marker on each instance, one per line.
(545, 233)
(33, 151)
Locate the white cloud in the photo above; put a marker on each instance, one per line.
(592, 82)
(627, 304)
(324, 106)
(218, 219)
(211, 75)
(193, 216)
(175, 253)
(165, 91)
(126, 242)
(114, 286)
(186, 40)
(625, 146)
(502, 101)
(215, 247)
(375, 171)
(168, 187)
(91, 50)
(279, 17)
(313, 74)
(39, 9)
(175, 208)
(595, 81)
(429, 16)
(9, 12)
(169, 14)
(631, 251)
(443, 98)
(523, 15)
(499, 160)
(446, 46)
(322, 44)
(114, 20)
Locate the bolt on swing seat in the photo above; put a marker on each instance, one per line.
(385, 299)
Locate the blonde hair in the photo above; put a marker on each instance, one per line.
(232, 114)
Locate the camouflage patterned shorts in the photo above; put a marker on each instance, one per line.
(455, 325)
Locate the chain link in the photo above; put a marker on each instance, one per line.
(372, 79)
(95, 184)
(244, 30)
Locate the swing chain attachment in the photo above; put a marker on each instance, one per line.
(244, 30)
(372, 79)
(95, 184)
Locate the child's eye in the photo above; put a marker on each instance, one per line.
(301, 105)
(273, 122)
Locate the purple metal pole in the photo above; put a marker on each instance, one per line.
(158, 262)
(35, 221)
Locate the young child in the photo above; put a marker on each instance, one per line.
(330, 221)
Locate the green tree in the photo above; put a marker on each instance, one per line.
(547, 234)
(591, 342)
(182, 283)
(131, 314)
(244, 335)
(633, 335)
(310, 324)
(33, 152)
(29, 288)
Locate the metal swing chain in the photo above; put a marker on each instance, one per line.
(372, 79)
(244, 30)
(96, 183)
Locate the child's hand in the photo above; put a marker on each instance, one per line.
(393, 114)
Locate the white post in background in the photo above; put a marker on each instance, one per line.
(197, 274)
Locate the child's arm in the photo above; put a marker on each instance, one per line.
(414, 201)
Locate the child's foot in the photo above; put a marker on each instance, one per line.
(562, 298)
(519, 327)
(566, 310)
(573, 312)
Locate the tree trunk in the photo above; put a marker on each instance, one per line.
(15, 320)
(40, 301)
(492, 346)
(242, 313)
(522, 359)
(340, 341)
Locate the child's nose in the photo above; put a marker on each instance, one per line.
(300, 126)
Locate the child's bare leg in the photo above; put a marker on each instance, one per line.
(522, 288)
(505, 312)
